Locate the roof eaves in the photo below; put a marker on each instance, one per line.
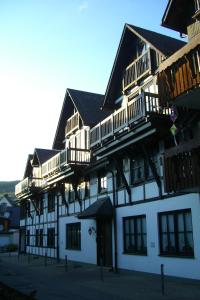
(74, 104)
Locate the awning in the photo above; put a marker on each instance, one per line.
(102, 208)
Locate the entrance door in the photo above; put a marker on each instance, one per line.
(104, 242)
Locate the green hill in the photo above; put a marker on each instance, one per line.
(8, 187)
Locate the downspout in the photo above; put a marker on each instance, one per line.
(114, 223)
(57, 240)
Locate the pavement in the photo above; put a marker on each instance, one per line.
(54, 281)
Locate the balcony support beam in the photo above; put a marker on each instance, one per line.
(153, 169)
(75, 184)
(121, 173)
(61, 189)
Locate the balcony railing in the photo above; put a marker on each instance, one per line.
(27, 185)
(60, 161)
(137, 69)
(180, 73)
(135, 110)
(182, 168)
(72, 124)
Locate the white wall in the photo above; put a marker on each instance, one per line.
(182, 267)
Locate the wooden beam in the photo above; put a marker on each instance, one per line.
(74, 184)
(121, 173)
(153, 169)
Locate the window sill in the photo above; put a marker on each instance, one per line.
(72, 249)
(135, 253)
(177, 256)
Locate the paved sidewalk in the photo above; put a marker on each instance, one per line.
(84, 282)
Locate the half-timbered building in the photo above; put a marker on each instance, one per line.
(120, 186)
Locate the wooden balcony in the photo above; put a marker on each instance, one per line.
(72, 124)
(179, 76)
(63, 159)
(182, 167)
(135, 110)
(27, 186)
(136, 70)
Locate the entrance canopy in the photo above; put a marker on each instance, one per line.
(102, 208)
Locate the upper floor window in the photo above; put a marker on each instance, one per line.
(87, 188)
(176, 236)
(51, 202)
(102, 182)
(135, 236)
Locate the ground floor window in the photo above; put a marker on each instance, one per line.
(51, 237)
(73, 236)
(176, 236)
(135, 236)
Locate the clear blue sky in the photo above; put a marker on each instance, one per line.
(47, 46)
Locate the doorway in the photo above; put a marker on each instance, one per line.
(104, 242)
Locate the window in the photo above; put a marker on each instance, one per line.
(71, 194)
(135, 236)
(137, 170)
(176, 237)
(102, 182)
(28, 237)
(41, 238)
(73, 236)
(37, 237)
(51, 237)
(87, 189)
(51, 202)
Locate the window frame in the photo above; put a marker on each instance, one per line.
(73, 236)
(174, 250)
(102, 182)
(51, 202)
(134, 235)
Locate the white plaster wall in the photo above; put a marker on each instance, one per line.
(88, 242)
(182, 267)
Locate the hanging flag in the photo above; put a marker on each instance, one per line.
(173, 130)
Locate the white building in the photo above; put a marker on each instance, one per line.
(118, 188)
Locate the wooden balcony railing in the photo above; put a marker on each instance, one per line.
(135, 110)
(67, 156)
(182, 167)
(27, 185)
(180, 73)
(72, 124)
(137, 69)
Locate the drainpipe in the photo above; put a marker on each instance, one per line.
(114, 223)
(57, 244)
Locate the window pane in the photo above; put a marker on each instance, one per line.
(171, 223)
(144, 225)
(164, 223)
(180, 222)
(164, 243)
(127, 226)
(188, 221)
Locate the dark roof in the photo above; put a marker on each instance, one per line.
(28, 168)
(89, 107)
(178, 15)
(10, 200)
(163, 44)
(42, 155)
(99, 209)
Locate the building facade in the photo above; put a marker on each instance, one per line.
(120, 186)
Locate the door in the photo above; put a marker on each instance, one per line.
(104, 242)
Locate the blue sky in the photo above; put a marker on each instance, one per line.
(47, 46)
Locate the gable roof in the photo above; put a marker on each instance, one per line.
(11, 201)
(89, 107)
(28, 168)
(178, 15)
(163, 44)
(42, 155)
